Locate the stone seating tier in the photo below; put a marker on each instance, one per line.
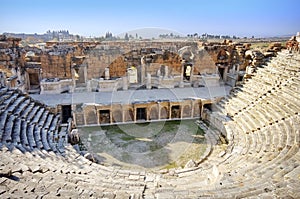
(28, 124)
(261, 159)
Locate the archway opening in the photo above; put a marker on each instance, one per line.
(104, 116)
(175, 112)
(141, 114)
(66, 112)
(34, 81)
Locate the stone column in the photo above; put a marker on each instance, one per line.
(201, 110)
(134, 114)
(158, 105)
(125, 83)
(110, 116)
(85, 73)
(225, 74)
(123, 114)
(97, 114)
(192, 107)
(181, 110)
(147, 113)
(148, 84)
(142, 70)
(142, 74)
(166, 72)
(192, 73)
(106, 73)
(170, 111)
(181, 85)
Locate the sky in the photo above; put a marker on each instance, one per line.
(96, 17)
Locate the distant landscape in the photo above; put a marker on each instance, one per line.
(138, 34)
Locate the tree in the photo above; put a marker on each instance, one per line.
(126, 37)
(108, 35)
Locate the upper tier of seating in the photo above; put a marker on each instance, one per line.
(260, 119)
(28, 124)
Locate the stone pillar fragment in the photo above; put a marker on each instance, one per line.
(166, 75)
(148, 84)
(125, 83)
(181, 85)
(106, 73)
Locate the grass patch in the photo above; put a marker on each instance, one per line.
(172, 165)
(260, 45)
(127, 138)
(169, 144)
(154, 146)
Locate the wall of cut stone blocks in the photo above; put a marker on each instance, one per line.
(96, 114)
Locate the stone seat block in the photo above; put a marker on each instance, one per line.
(16, 131)
(23, 135)
(48, 121)
(54, 123)
(30, 136)
(27, 110)
(32, 113)
(22, 107)
(8, 129)
(37, 116)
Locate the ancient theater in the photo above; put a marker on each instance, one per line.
(245, 100)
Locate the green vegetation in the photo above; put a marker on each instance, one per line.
(169, 144)
(171, 166)
(260, 45)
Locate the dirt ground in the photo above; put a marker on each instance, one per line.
(150, 146)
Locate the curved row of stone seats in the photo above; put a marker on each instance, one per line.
(46, 175)
(266, 74)
(253, 162)
(271, 147)
(8, 98)
(243, 172)
(256, 162)
(241, 100)
(28, 124)
(262, 159)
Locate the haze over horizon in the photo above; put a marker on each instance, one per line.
(95, 18)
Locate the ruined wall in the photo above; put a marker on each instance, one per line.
(152, 61)
(118, 55)
(228, 53)
(99, 58)
(293, 43)
(172, 46)
(58, 58)
(203, 63)
(97, 114)
(84, 61)
(11, 59)
(58, 66)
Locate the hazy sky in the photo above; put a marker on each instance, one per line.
(95, 17)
